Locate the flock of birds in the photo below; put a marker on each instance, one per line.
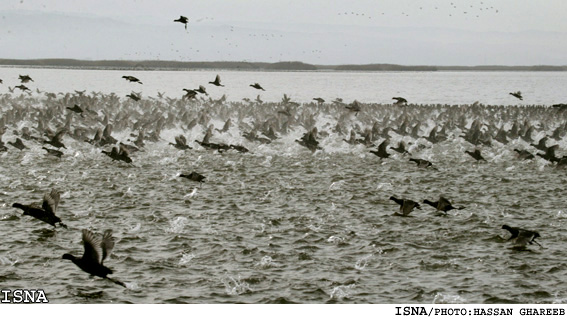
(78, 116)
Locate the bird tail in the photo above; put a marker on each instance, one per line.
(118, 282)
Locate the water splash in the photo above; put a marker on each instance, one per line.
(186, 258)
(234, 286)
(177, 225)
(448, 298)
(342, 292)
(362, 262)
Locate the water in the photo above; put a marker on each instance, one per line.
(282, 224)
(538, 88)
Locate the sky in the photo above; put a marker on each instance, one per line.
(408, 32)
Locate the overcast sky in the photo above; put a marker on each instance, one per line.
(411, 32)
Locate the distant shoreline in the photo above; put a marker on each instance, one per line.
(251, 66)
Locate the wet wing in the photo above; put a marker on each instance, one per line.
(107, 244)
(51, 201)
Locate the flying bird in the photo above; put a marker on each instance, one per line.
(182, 19)
(96, 250)
(257, 86)
(132, 79)
(522, 237)
(517, 94)
(44, 211)
(400, 100)
(216, 82)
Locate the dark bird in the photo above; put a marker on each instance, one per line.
(381, 152)
(56, 139)
(216, 82)
(522, 237)
(116, 155)
(53, 152)
(549, 154)
(239, 148)
(76, 108)
(401, 148)
(44, 211)
(97, 249)
(400, 100)
(190, 94)
(309, 140)
(421, 163)
(517, 94)
(319, 100)
(132, 79)
(180, 143)
(257, 86)
(18, 144)
(476, 155)
(442, 204)
(194, 176)
(541, 145)
(182, 19)
(354, 107)
(202, 89)
(406, 206)
(22, 87)
(25, 79)
(134, 96)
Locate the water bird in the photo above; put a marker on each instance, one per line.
(77, 109)
(442, 204)
(56, 139)
(400, 100)
(319, 100)
(216, 82)
(180, 143)
(22, 87)
(517, 94)
(44, 211)
(476, 155)
(257, 86)
(421, 163)
(354, 107)
(194, 176)
(549, 154)
(18, 144)
(96, 250)
(134, 96)
(522, 237)
(239, 148)
(541, 145)
(401, 148)
(53, 152)
(182, 19)
(381, 152)
(226, 126)
(202, 89)
(116, 155)
(190, 94)
(309, 140)
(25, 79)
(132, 79)
(406, 206)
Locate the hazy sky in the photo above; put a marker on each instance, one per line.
(442, 32)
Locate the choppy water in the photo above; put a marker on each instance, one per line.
(282, 224)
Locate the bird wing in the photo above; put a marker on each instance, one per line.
(107, 244)
(180, 140)
(92, 244)
(524, 237)
(442, 203)
(51, 201)
(217, 79)
(59, 135)
(407, 207)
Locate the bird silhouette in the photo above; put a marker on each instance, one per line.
(517, 94)
(96, 250)
(216, 82)
(257, 86)
(44, 211)
(182, 19)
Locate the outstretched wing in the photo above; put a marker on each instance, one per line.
(92, 244)
(59, 135)
(107, 244)
(180, 140)
(51, 201)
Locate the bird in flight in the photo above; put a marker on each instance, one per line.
(182, 19)
(517, 94)
(216, 82)
(257, 86)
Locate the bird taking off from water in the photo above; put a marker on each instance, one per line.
(517, 94)
(96, 250)
(182, 19)
(522, 237)
(45, 211)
